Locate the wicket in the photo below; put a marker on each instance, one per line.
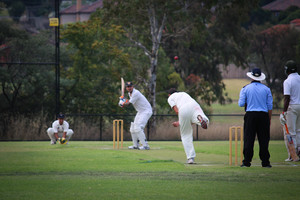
(235, 128)
(117, 128)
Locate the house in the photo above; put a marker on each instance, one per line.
(295, 24)
(280, 5)
(79, 12)
(282, 28)
(278, 29)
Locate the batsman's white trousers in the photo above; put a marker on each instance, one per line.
(50, 132)
(293, 123)
(140, 121)
(187, 116)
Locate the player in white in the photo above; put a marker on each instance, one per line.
(60, 130)
(144, 112)
(189, 112)
(291, 108)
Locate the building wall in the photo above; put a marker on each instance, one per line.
(71, 18)
(84, 17)
(65, 19)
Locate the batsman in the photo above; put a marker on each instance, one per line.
(144, 112)
(290, 118)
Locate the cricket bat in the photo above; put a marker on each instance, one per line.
(291, 146)
(122, 87)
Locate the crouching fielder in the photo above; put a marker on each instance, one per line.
(189, 112)
(144, 112)
(60, 131)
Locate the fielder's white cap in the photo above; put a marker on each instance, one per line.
(256, 75)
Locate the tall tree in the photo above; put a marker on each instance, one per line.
(26, 88)
(98, 64)
(271, 48)
(144, 22)
(214, 37)
(149, 24)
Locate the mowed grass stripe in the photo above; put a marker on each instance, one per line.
(93, 170)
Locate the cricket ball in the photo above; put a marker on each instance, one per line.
(176, 58)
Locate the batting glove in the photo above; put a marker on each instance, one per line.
(282, 118)
(122, 102)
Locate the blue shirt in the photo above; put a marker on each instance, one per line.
(257, 96)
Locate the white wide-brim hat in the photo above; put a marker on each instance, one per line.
(256, 75)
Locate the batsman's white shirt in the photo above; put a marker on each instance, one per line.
(139, 101)
(60, 128)
(188, 110)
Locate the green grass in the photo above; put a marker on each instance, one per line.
(232, 108)
(93, 170)
(234, 86)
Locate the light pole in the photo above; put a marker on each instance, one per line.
(57, 60)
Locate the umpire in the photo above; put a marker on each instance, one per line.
(258, 102)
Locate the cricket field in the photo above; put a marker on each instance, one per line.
(94, 170)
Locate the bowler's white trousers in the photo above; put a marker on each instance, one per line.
(187, 116)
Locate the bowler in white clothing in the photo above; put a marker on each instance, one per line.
(144, 112)
(189, 112)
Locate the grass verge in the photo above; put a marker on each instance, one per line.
(93, 170)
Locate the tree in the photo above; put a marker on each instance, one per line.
(16, 8)
(218, 38)
(271, 48)
(27, 88)
(288, 15)
(183, 26)
(9, 31)
(139, 18)
(98, 64)
(291, 16)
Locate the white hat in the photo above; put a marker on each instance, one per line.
(256, 75)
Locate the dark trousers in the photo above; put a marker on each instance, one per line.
(256, 123)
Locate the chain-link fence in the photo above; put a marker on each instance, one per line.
(102, 127)
(99, 127)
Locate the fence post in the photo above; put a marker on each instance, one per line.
(148, 130)
(101, 120)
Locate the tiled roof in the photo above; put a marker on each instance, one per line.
(279, 28)
(295, 21)
(3, 46)
(281, 5)
(87, 8)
